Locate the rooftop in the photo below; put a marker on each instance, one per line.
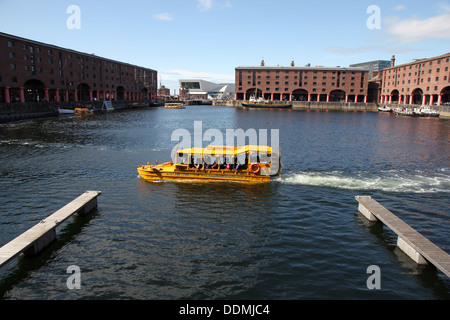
(317, 68)
(67, 50)
(446, 55)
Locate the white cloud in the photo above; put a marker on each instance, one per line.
(398, 32)
(443, 6)
(400, 7)
(178, 74)
(164, 17)
(415, 29)
(205, 5)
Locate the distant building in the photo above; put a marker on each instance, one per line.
(374, 67)
(425, 81)
(302, 83)
(35, 71)
(193, 89)
(163, 92)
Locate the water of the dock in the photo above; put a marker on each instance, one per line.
(34, 240)
(419, 248)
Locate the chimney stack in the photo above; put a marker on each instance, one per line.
(393, 61)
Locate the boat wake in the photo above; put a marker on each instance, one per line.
(389, 181)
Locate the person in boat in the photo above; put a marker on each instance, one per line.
(225, 163)
(208, 163)
(198, 164)
(229, 163)
(240, 165)
(211, 163)
(182, 158)
(245, 166)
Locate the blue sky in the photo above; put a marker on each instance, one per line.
(208, 39)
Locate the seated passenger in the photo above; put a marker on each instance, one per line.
(223, 163)
(198, 164)
(191, 163)
(208, 162)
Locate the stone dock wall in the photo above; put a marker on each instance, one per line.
(314, 106)
(34, 110)
(444, 111)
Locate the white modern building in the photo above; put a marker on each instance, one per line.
(205, 90)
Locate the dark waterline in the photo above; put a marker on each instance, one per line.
(299, 237)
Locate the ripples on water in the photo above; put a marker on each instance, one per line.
(389, 181)
(299, 237)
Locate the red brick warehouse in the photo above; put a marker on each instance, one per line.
(302, 83)
(34, 71)
(425, 81)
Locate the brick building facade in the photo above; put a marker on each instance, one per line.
(163, 92)
(302, 83)
(425, 81)
(34, 71)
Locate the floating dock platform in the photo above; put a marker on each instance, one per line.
(36, 239)
(415, 245)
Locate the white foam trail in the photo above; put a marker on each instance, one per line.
(390, 181)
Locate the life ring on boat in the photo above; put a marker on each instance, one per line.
(255, 168)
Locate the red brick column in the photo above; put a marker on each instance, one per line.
(7, 96)
(22, 94)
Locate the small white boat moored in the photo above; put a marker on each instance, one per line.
(404, 112)
(385, 109)
(65, 111)
(425, 111)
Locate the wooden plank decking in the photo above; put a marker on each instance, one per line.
(42, 234)
(415, 245)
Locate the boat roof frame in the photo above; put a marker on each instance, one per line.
(225, 150)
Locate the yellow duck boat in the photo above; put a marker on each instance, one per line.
(250, 164)
(174, 105)
(80, 112)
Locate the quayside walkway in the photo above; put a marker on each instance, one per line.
(415, 245)
(36, 239)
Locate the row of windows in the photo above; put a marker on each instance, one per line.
(408, 90)
(430, 71)
(313, 90)
(415, 81)
(420, 65)
(70, 64)
(81, 59)
(52, 71)
(302, 83)
(302, 71)
(305, 77)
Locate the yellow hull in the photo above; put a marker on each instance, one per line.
(80, 112)
(171, 173)
(174, 105)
